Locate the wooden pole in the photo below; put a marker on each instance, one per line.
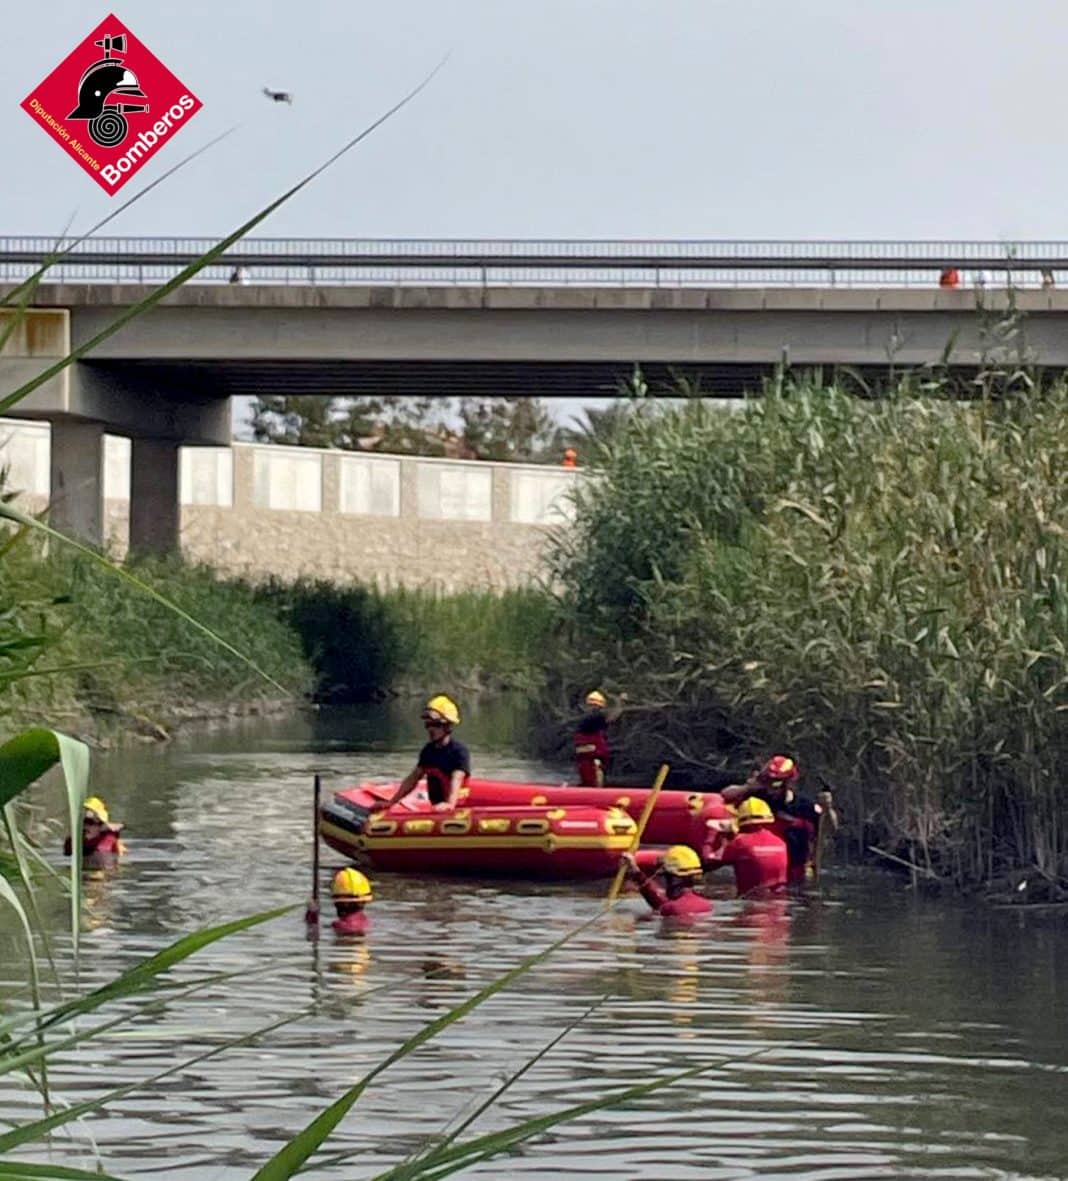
(817, 861)
(311, 915)
(647, 811)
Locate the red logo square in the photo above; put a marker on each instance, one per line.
(111, 104)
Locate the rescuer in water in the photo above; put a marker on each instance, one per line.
(445, 762)
(99, 835)
(592, 752)
(351, 892)
(797, 818)
(681, 870)
(757, 854)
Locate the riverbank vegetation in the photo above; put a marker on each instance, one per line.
(130, 664)
(126, 662)
(363, 641)
(876, 584)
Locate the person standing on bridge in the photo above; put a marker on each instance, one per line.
(444, 762)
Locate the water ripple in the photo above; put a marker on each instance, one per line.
(866, 1035)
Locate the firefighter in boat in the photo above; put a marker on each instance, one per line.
(444, 762)
(592, 752)
(797, 818)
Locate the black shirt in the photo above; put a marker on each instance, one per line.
(438, 763)
(798, 807)
(593, 723)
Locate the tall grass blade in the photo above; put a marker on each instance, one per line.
(56, 256)
(481, 1148)
(411, 1169)
(14, 515)
(25, 296)
(205, 259)
(289, 1159)
(26, 1133)
(8, 678)
(14, 1171)
(23, 760)
(142, 975)
(8, 895)
(18, 848)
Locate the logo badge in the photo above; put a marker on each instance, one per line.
(111, 104)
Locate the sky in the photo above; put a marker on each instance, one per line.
(578, 118)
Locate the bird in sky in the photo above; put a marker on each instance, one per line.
(279, 96)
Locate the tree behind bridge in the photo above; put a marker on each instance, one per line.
(508, 428)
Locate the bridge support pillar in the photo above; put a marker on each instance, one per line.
(153, 496)
(77, 481)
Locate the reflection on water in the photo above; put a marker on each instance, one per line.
(864, 1034)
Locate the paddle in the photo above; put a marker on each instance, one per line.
(311, 915)
(647, 811)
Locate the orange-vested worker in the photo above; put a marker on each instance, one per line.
(445, 763)
(797, 818)
(99, 836)
(351, 892)
(757, 854)
(681, 870)
(950, 277)
(592, 752)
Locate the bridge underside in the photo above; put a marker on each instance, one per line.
(542, 379)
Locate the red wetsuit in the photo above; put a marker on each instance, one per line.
(356, 923)
(688, 903)
(759, 858)
(592, 751)
(107, 842)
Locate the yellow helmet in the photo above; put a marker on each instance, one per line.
(351, 886)
(596, 699)
(754, 811)
(445, 709)
(98, 808)
(682, 862)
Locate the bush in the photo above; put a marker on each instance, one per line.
(363, 641)
(125, 653)
(877, 586)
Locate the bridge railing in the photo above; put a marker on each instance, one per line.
(539, 262)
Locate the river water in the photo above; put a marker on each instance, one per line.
(862, 1033)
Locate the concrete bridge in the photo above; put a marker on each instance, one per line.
(472, 318)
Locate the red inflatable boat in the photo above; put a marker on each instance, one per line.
(527, 830)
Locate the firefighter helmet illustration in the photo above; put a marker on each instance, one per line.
(107, 77)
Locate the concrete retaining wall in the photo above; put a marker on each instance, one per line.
(448, 524)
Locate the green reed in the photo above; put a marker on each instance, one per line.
(86, 645)
(876, 585)
(364, 641)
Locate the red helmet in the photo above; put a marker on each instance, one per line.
(779, 769)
